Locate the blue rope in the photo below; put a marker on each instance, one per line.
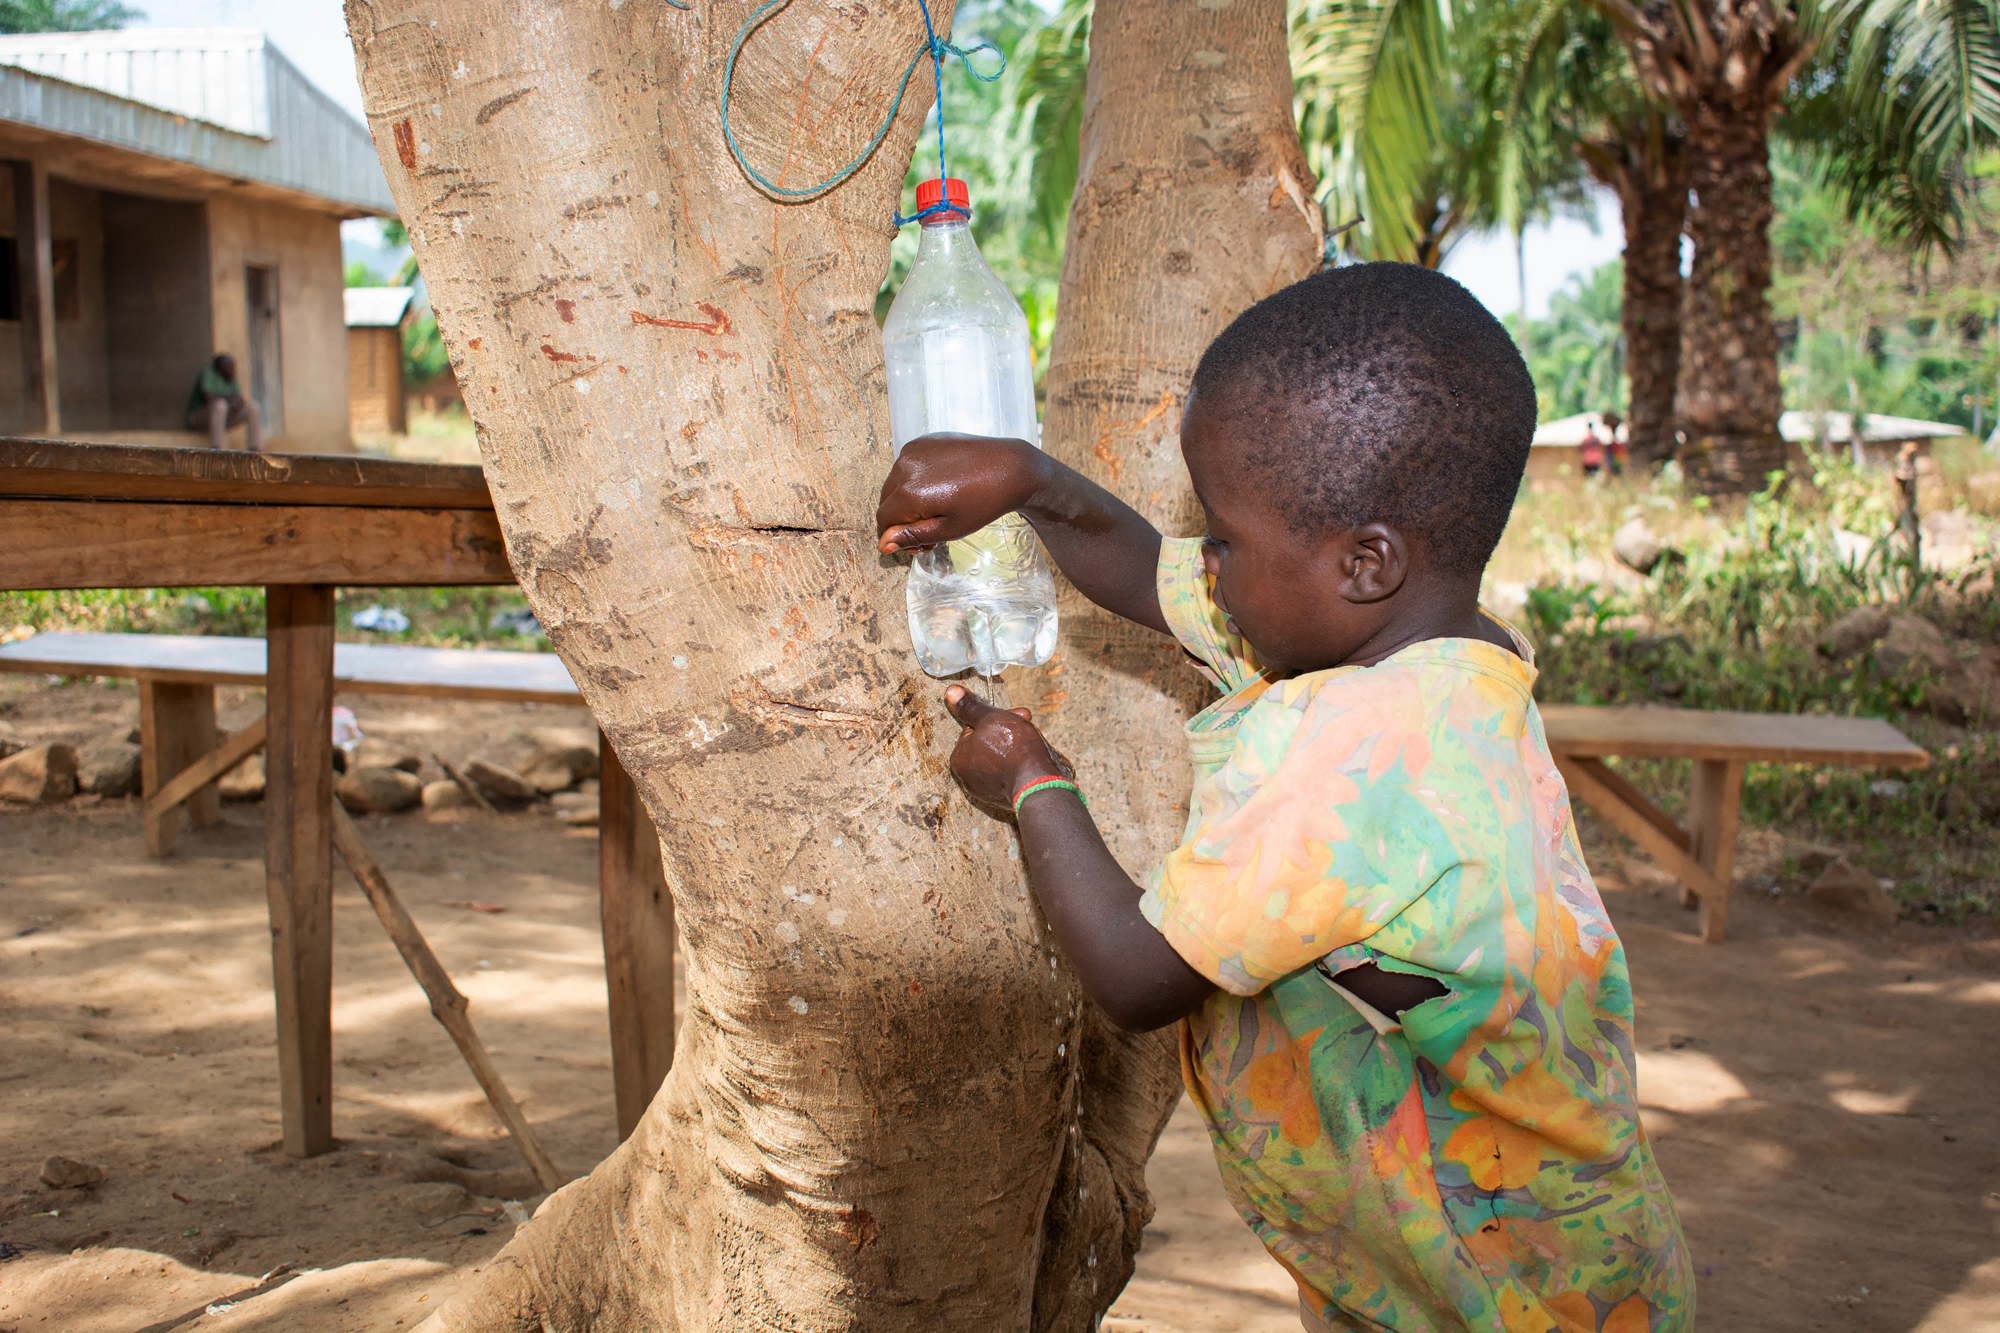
(933, 46)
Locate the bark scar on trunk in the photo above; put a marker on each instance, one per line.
(761, 704)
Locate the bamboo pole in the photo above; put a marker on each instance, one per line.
(448, 1006)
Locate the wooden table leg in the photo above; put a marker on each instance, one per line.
(1713, 805)
(638, 916)
(298, 855)
(176, 727)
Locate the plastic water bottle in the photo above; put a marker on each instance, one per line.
(957, 348)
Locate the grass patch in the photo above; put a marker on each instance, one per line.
(439, 617)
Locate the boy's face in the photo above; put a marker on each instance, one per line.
(1289, 596)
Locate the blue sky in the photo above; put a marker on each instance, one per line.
(313, 36)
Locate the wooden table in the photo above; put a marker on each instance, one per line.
(123, 516)
(1702, 854)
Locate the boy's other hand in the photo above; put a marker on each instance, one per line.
(944, 487)
(999, 750)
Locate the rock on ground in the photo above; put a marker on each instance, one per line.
(1637, 546)
(502, 782)
(66, 1173)
(1855, 633)
(1852, 891)
(373, 753)
(1918, 651)
(109, 765)
(245, 782)
(445, 794)
(43, 773)
(372, 789)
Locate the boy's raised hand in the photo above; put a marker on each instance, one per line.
(999, 750)
(944, 487)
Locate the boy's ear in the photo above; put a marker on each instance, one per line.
(1373, 561)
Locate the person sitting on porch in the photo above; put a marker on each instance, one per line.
(217, 405)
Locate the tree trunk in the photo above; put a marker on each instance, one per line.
(1729, 397)
(1648, 167)
(678, 388)
(1193, 201)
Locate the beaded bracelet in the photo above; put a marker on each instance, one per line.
(1045, 784)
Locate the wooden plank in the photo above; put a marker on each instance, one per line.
(206, 770)
(176, 729)
(448, 1003)
(358, 668)
(66, 469)
(1686, 733)
(1634, 798)
(298, 857)
(638, 919)
(1714, 802)
(1671, 854)
(106, 544)
(36, 287)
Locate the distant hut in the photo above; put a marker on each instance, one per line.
(165, 195)
(1556, 445)
(375, 390)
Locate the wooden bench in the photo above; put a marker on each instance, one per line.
(1702, 854)
(88, 515)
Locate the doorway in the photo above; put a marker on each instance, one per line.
(266, 385)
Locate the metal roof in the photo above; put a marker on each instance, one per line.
(377, 307)
(1796, 427)
(223, 99)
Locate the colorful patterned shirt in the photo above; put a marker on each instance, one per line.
(1479, 1164)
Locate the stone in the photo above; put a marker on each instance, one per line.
(11, 741)
(1851, 891)
(548, 773)
(1855, 633)
(1813, 858)
(563, 757)
(432, 1199)
(1918, 651)
(1637, 546)
(566, 801)
(66, 1173)
(245, 782)
(1952, 539)
(589, 786)
(581, 818)
(109, 765)
(444, 794)
(372, 789)
(501, 782)
(373, 753)
(40, 774)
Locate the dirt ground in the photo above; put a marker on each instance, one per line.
(1822, 1093)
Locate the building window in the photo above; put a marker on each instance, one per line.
(69, 296)
(10, 279)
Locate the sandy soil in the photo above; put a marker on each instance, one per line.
(1822, 1094)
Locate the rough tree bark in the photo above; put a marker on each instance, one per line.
(1647, 164)
(1193, 200)
(881, 1115)
(1724, 65)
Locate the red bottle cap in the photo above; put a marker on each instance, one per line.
(950, 188)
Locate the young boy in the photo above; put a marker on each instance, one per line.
(1408, 1022)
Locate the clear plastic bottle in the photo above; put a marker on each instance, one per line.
(957, 349)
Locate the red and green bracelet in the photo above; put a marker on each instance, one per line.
(1044, 784)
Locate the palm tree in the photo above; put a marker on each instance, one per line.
(1570, 76)
(1576, 354)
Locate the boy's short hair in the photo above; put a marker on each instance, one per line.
(1380, 393)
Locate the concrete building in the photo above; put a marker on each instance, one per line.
(375, 390)
(167, 195)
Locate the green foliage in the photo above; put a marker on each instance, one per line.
(439, 617)
(358, 274)
(424, 355)
(19, 16)
(1736, 622)
(1577, 354)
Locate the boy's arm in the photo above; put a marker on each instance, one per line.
(1124, 963)
(944, 487)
